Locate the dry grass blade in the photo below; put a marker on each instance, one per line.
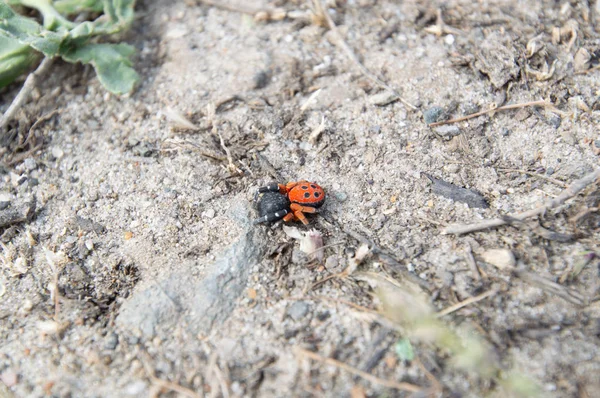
(178, 120)
(230, 164)
(367, 376)
(23, 95)
(553, 288)
(350, 54)
(500, 108)
(466, 302)
(571, 191)
(541, 176)
(472, 263)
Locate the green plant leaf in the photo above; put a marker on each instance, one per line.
(53, 20)
(15, 59)
(404, 350)
(70, 7)
(111, 62)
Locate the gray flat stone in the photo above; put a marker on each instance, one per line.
(200, 305)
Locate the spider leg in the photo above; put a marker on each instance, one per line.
(291, 185)
(273, 187)
(271, 217)
(304, 209)
(300, 216)
(288, 217)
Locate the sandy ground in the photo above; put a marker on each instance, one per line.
(139, 273)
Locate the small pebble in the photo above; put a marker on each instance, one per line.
(375, 129)
(9, 378)
(447, 131)
(341, 196)
(210, 213)
(299, 257)
(433, 114)
(261, 79)
(500, 258)
(550, 171)
(57, 153)
(469, 108)
(30, 164)
(383, 98)
(111, 341)
(522, 114)
(331, 262)
(505, 132)
(322, 316)
(449, 39)
(4, 205)
(290, 333)
(298, 310)
(135, 388)
(554, 120)
(597, 143)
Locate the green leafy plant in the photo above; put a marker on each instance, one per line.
(23, 40)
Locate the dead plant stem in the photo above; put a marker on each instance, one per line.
(571, 191)
(23, 95)
(367, 376)
(500, 108)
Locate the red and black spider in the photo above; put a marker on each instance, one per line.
(289, 202)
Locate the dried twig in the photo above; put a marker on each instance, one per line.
(553, 288)
(230, 164)
(541, 176)
(466, 302)
(23, 95)
(367, 376)
(582, 214)
(472, 263)
(500, 108)
(571, 191)
(350, 54)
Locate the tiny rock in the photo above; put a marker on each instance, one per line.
(581, 61)
(30, 164)
(210, 213)
(57, 152)
(500, 258)
(433, 114)
(261, 80)
(9, 378)
(447, 131)
(341, 196)
(383, 98)
(298, 310)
